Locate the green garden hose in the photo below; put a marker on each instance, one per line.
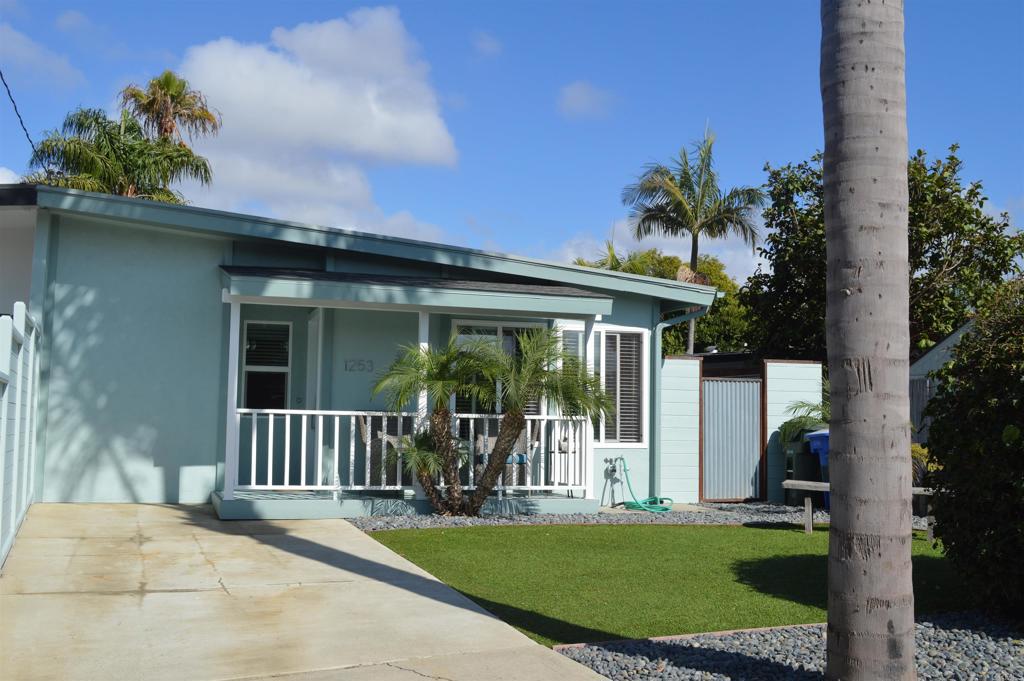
(650, 504)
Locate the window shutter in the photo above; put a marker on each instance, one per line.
(630, 411)
(611, 383)
(266, 345)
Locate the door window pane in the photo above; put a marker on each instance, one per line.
(266, 390)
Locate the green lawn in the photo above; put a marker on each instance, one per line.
(567, 584)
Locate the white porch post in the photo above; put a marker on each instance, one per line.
(588, 350)
(231, 415)
(421, 401)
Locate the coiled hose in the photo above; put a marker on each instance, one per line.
(650, 504)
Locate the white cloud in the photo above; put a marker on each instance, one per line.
(8, 176)
(351, 85)
(73, 21)
(36, 63)
(303, 113)
(740, 261)
(485, 44)
(581, 99)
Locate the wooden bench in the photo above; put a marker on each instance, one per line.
(812, 486)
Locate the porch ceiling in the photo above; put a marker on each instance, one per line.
(337, 289)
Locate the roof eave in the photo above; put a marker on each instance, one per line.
(206, 220)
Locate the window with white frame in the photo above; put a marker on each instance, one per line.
(267, 365)
(619, 364)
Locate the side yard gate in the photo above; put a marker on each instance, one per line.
(732, 438)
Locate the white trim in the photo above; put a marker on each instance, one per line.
(246, 368)
(231, 417)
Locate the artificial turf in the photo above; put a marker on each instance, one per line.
(575, 583)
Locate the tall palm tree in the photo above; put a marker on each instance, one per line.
(168, 105)
(684, 198)
(94, 153)
(442, 373)
(538, 370)
(863, 96)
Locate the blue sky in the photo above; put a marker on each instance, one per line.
(509, 126)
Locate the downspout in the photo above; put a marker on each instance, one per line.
(656, 363)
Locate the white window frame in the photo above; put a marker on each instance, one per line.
(645, 373)
(499, 326)
(246, 367)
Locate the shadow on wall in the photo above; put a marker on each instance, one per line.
(107, 413)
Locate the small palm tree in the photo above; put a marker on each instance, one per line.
(538, 370)
(684, 198)
(94, 153)
(442, 373)
(168, 105)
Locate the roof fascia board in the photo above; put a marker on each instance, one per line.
(418, 297)
(205, 220)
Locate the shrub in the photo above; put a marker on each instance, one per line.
(976, 444)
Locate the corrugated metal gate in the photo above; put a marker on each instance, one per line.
(732, 438)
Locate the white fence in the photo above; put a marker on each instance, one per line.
(19, 380)
(307, 450)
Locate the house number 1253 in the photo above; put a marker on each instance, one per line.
(359, 365)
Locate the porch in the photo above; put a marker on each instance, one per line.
(306, 437)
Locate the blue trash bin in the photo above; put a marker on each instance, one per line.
(818, 440)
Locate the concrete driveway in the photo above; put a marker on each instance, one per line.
(140, 592)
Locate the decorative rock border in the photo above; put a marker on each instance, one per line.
(702, 514)
(959, 646)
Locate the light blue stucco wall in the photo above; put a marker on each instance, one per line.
(364, 344)
(786, 383)
(135, 390)
(680, 429)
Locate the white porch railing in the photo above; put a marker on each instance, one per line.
(313, 450)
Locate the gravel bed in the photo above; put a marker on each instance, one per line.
(960, 646)
(709, 514)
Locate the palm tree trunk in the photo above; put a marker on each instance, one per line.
(512, 424)
(693, 267)
(447, 448)
(863, 92)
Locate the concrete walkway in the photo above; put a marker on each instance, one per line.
(119, 591)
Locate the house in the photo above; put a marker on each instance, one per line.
(173, 354)
(923, 385)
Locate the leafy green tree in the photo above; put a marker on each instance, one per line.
(94, 153)
(649, 263)
(976, 452)
(724, 326)
(684, 199)
(168, 105)
(958, 255)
